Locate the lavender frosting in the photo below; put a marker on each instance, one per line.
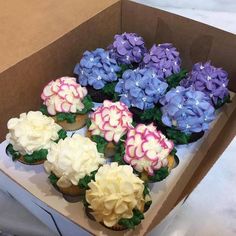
(127, 48)
(210, 80)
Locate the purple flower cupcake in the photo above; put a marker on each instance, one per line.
(127, 48)
(210, 80)
(186, 114)
(164, 59)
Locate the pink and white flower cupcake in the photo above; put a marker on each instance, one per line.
(67, 102)
(148, 151)
(108, 124)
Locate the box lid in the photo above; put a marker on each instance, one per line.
(24, 25)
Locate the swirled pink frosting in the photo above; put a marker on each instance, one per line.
(63, 95)
(111, 121)
(146, 148)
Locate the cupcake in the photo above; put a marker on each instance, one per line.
(117, 198)
(71, 163)
(140, 90)
(210, 80)
(108, 124)
(186, 114)
(165, 61)
(149, 152)
(127, 49)
(99, 73)
(31, 136)
(67, 102)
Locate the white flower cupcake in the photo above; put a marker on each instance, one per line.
(108, 124)
(67, 102)
(117, 198)
(31, 136)
(72, 162)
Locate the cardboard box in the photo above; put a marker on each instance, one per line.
(43, 40)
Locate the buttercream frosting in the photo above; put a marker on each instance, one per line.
(72, 159)
(146, 148)
(63, 95)
(111, 120)
(114, 194)
(31, 132)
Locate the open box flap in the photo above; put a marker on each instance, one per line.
(28, 26)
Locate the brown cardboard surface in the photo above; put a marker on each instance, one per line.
(22, 84)
(27, 26)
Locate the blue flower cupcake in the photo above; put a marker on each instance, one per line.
(99, 73)
(186, 114)
(140, 90)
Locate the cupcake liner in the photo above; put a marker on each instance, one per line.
(79, 123)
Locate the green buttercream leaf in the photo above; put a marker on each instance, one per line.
(221, 102)
(11, 152)
(36, 156)
(178, 136)
(101, 143)
(123, 67)
(159, 175)
(153, 114)
(174, 80)
(53, 179)
(83, 183)
(68, 117)
(120, 151)
(173, 152)
(132, 222)
(146, 190)
(88, 122)
(147, 205)
(61, 135)
(44, 110)
(88, 105)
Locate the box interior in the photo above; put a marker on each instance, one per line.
(22, 83)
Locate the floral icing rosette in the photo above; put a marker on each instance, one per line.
(72, 163)
(117, 198)
(31, 136)
(108, 124)
(165, 61)
(127, 48)
(67, 101)
(210, 80)
(149, 152)
(186, 112)
(140, 89)
(98, 72)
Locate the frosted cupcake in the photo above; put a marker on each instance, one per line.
(149, 152)
(99, 73)
(67, 102)
(108, 124)
(186, 114)
(210, 80)
(71, 163)
(31, 136)
(140, 90)
(117, 198)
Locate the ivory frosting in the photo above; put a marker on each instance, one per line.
(72, 159)
(31, 132)
(114, 194)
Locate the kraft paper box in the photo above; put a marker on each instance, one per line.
(43, 40)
